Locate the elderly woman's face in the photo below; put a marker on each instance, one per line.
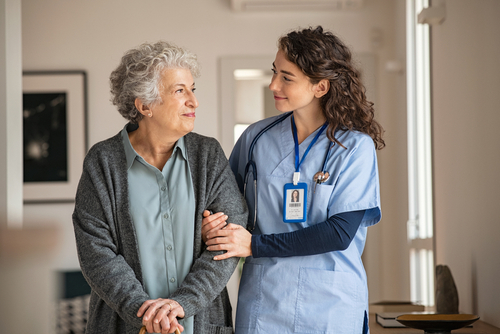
(176, 114)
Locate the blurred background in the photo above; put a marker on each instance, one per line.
(37, 240)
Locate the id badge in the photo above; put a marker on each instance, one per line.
(295, 202)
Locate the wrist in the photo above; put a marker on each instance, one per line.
(254, 246)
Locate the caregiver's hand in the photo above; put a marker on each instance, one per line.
(234, 239)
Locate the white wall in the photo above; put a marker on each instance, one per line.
(92, 35)
(466, 117)
(386, 256)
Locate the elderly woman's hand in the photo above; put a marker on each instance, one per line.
(160, 315)
(234, 239)
(211, 223)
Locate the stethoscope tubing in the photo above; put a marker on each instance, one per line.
(251, 163)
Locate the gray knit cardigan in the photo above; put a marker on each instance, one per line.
(107, 243)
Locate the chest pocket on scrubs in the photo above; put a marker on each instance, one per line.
(319, 199)
(327, 303)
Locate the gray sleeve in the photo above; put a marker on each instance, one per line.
(99, 245)
(217, 191)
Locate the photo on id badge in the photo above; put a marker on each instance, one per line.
(294, 206)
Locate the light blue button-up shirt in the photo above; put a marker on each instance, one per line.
(162, 206)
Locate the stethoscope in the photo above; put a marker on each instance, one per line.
(319, 177)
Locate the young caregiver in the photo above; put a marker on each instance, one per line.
(303, 272)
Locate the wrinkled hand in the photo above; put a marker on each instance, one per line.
(234, 239)
(212, 222)
(160, 315)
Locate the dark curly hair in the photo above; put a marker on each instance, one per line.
(322, 55)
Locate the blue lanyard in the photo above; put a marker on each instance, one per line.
(296, 140)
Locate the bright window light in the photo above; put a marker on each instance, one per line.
(238, 130)
(420, 195)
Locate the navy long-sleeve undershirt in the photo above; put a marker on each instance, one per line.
(334, 234)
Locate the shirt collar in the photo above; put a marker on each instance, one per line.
(131, 154)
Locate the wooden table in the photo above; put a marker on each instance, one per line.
(479, 327)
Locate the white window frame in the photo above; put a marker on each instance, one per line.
(420, 195)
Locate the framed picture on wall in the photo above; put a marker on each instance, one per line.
(54, 134)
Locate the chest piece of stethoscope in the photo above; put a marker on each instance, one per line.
(321, 177)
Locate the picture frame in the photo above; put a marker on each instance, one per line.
(54, 134)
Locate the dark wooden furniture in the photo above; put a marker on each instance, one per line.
(479, 327)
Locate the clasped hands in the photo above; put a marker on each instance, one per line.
(160, 315)
(219, 235)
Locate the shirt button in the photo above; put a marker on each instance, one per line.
(169, 247)
(165, 216)
(163, 188)
(172, 280)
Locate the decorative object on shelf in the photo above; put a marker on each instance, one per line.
(54, 134)
(437, 323)
(446, 291)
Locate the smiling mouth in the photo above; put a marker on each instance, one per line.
(279, 98)
(191, 114)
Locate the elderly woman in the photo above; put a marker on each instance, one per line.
(139, 204)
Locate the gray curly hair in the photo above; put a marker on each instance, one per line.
(140, 72)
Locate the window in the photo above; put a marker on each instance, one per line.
(420, 220)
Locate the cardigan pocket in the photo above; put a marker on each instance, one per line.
(214, 329)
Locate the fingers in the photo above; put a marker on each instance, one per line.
(144, 307)
(213, 222)
(173, 310)
(231, 226)
(173, 327)
(157, 328)
(174, 324)
(212, 243)
(160, 320)
(154, 306)
(166, 318)
(165, 326)
(214, 219)
(226, 255)
(234, 239)
(227, 231)
(160, 315)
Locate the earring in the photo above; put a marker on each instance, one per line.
(150, 115)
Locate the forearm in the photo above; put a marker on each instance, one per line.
(204, 284)
(334, 234)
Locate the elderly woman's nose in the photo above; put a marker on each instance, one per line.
(192, 101)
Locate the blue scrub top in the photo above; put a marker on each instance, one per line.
(324, 293)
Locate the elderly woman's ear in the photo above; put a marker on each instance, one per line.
(142, 108)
